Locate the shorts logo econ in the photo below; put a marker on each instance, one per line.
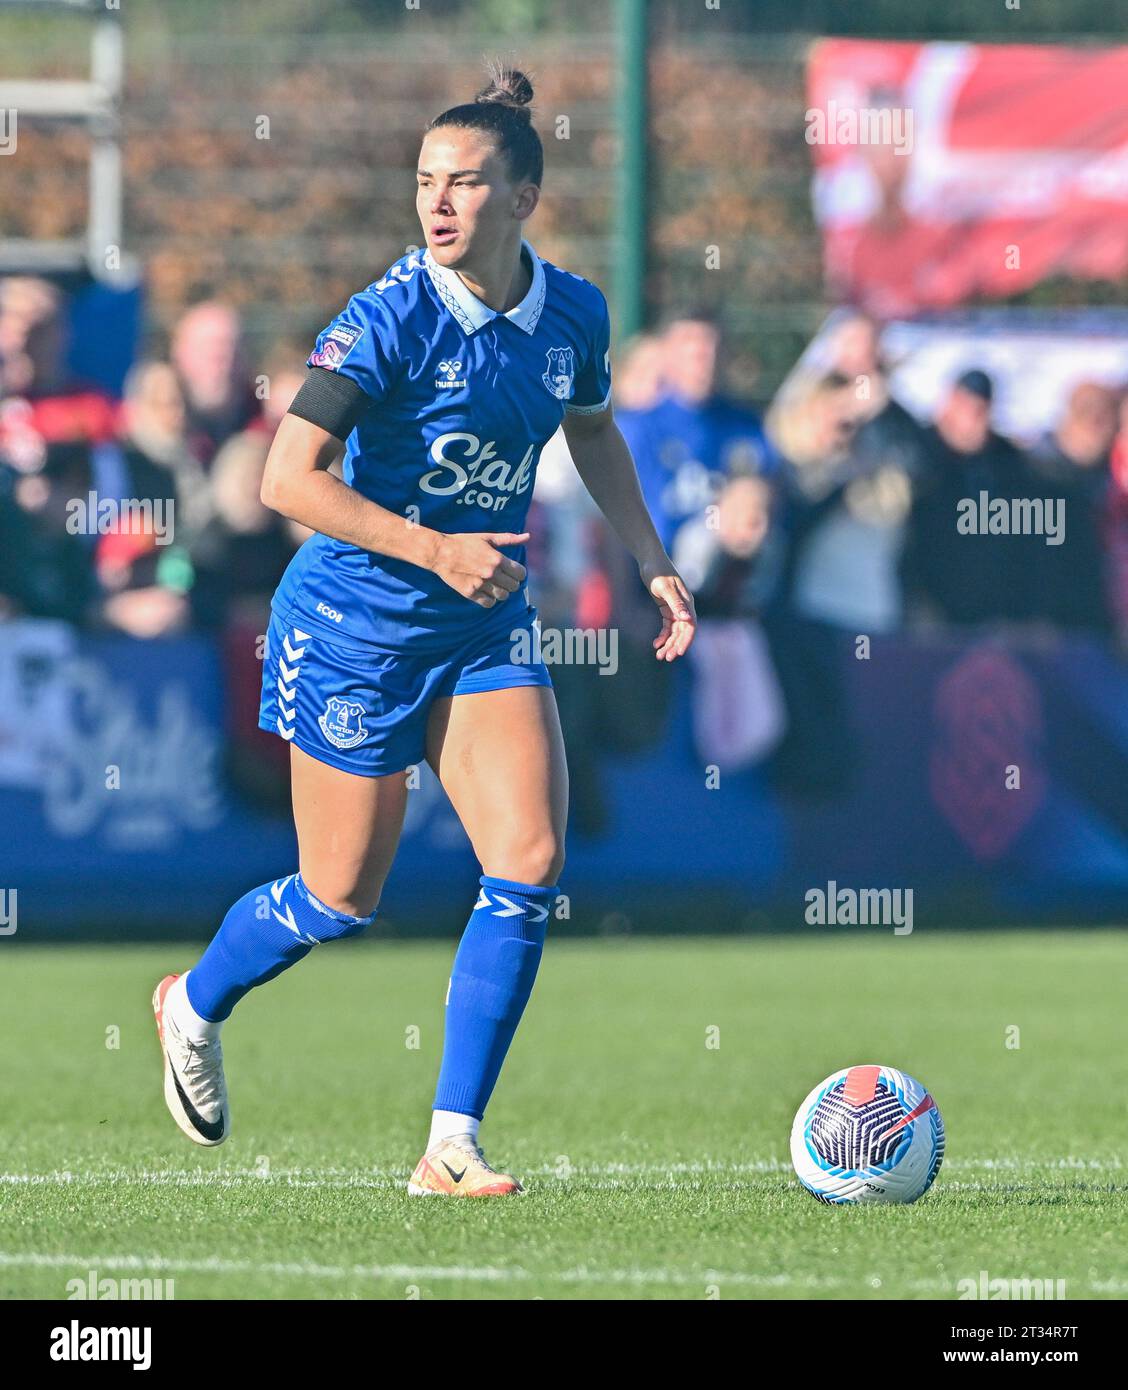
(342, 724)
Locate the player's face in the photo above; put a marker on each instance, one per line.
(464, 198)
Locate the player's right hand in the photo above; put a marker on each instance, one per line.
(474, 567)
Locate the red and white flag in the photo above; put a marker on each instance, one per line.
(949, 171)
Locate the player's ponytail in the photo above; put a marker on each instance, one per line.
(502, 110)
(508, 87)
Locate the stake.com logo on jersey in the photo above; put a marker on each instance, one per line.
(485, 480)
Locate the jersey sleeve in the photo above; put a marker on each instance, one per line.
(360, 344)
(592, 387)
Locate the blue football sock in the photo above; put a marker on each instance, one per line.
(494, 969)
(268, 930)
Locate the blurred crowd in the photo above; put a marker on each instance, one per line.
(843, 515)
(834, 514)
(189, 437)
(886, 517)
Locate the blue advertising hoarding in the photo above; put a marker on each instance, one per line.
(990, 779)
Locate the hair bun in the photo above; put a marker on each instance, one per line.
(508, 87)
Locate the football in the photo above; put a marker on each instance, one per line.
(868, 1134)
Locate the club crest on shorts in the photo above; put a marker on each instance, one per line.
(342, 724)
(560, 372)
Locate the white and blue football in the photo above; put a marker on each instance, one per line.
(868, 1134)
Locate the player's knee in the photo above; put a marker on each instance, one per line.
(534, 858)
(347, 897)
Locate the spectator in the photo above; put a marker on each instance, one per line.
(283, 373)
(207, 352)
(853, 455)
(146, 578)
(733, 567)
(638, 374)
(969, 578)
(139, 599)
(32, 336)
(692, 438)
(811, 433)
(886, 435)
(244, 548)
(1072, 463)
(45, 565)
(42, 403)
(813, 429)
(158, 462)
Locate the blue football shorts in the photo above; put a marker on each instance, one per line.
(366, 711)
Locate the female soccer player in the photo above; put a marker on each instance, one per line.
(400, 630)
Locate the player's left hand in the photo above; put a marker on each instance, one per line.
(675, 605)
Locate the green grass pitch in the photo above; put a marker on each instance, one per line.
(656, 1164)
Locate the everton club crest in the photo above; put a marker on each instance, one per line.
(342, 724)
(560, 372)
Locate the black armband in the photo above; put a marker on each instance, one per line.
(333, 402)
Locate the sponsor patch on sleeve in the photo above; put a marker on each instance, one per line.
(337, 343)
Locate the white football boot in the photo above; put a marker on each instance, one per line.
(194, 1086)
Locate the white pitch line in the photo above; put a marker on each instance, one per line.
(613, 1175)
(410, 1273)
(220, 1178)
(482, 1273)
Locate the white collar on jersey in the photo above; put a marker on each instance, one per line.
(469, 310)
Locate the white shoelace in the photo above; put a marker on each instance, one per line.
(203, 1067)
(470, 1146)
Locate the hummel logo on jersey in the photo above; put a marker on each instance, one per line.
(448, 377)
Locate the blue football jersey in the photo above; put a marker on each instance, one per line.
(461, 401)
(685, 453)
